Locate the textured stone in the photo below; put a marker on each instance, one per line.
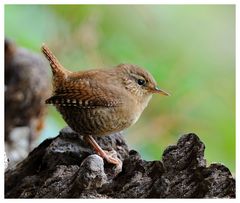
(65, 167)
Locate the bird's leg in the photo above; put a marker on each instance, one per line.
(104, 154)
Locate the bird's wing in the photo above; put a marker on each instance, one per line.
(85, 97)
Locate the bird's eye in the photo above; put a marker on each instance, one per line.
(141, 82)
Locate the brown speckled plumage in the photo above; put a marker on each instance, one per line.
(103, 101)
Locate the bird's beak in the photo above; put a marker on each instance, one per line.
(159, 91)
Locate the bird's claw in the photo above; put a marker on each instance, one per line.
(111, 157)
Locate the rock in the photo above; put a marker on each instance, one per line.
(66, 167)
(26, 87)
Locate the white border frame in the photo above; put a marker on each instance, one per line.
(169, 2)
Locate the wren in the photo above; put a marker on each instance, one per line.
(102, 101)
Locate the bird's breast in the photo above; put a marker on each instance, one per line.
(136, 108)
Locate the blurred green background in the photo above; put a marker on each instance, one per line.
(189, 49)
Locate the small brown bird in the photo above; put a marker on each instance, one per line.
(100, 102)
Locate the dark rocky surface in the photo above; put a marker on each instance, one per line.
(65, 167)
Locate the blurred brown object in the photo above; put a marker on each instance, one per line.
(27, 85)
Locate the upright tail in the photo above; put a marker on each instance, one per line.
(57, 68)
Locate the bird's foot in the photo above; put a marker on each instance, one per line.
(111, 157)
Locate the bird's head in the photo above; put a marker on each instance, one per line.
(139, 82)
